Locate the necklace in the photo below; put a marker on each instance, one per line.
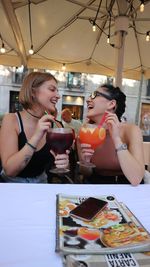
(33, 115)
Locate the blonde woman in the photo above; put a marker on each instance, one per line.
(24, 152)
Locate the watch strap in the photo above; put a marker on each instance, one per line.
(123, 146)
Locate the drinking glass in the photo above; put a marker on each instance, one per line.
(59, 140)
(93, 135)
(90, 236)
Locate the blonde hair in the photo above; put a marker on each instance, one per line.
(30, 84)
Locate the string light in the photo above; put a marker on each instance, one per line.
(148, 36)
(64, 67)
(108, 39)
(94, 21)
(108, 36)
(3, 50)
(142, 6)
(31, 51)
(94, 26)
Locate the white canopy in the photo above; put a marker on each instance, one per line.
(61, 33)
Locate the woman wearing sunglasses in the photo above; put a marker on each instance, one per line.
(120, 158)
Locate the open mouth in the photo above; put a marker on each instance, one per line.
(90, 107)
(54, 102)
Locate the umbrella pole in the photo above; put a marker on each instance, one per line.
(120, 41)
(121, 29)
(138, 107)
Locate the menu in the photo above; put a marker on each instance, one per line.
(114, 229)
(109, 260)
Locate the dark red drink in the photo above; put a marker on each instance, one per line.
(59, 139)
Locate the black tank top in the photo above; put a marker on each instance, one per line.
(40, 161)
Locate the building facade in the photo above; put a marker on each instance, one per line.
(74, 89)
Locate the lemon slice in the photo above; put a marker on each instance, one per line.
(102, 133)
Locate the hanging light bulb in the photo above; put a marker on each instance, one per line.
(3, 50)
(142, 6)
(94, 26)
(64, 66)
(148, 36)
(31, 51)
(108, 39)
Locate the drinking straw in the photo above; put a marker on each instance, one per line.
(57, 124)
(102, 120)
(45, 112)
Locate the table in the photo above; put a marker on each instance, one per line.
(27, 218)
(147, 154)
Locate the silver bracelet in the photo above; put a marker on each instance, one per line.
(30, 145)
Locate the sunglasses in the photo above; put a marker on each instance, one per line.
(96, 93)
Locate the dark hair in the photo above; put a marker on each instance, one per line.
(30, 84)
(119, 96)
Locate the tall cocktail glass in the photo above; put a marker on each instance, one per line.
(59, 140)
(93, 135)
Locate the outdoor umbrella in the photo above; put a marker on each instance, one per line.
(60, 32)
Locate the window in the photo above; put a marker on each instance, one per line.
(14, 104)
(75, 80)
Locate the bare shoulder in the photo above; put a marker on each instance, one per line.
(130, 127)
(131, 131)
(9, 121)
(9, 117)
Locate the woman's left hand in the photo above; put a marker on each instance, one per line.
(61, 160)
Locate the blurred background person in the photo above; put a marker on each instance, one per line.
(58, 123)
(69, 122)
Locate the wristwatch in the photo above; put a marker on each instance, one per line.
(121, 147)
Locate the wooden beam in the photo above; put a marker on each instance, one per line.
(12, 19)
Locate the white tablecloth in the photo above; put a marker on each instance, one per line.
(27, 218)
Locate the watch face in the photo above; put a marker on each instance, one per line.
(122, 147)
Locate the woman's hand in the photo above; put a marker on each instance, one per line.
(61, 160)
(113, 125)
(86, 152)
(43, 125)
